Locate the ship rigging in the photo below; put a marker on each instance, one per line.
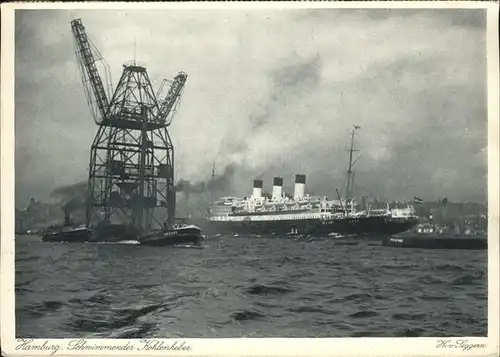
(350, 173)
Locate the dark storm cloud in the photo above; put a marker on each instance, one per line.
(52, 123)
(272, 94)
(286, 80)
(298, 74)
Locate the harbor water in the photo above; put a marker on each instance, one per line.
(247, 287)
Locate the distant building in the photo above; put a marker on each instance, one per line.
(37, 215)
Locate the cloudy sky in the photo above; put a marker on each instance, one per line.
(273, 93)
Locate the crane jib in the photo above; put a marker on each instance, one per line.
(91, 78)
(172, 96)
(93, 84)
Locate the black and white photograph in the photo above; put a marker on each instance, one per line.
(301, 171)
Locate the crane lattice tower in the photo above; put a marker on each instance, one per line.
(131, 170)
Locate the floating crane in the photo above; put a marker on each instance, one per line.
(131, 170)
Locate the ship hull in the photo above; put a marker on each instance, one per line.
(182, 236)
(373, 225)
(352, 226)
(69, 236)
(436, 241)
(266, 228)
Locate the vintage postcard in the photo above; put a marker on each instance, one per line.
(250, 178)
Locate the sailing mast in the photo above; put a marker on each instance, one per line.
(350, 173)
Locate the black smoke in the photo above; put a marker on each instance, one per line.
(71, 197)
(217, 183)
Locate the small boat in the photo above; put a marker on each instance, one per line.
(178, 235)
(68, 232)
(68, 235)
(436, 241)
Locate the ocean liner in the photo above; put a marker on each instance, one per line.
(305, 214)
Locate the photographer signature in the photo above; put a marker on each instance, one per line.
(462, 344)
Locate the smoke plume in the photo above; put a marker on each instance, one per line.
(218, 183)
(72, 197)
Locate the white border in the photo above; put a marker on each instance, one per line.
(246, 346)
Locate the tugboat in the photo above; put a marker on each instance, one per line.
(180, 234)
(67, 233)
(427, 236)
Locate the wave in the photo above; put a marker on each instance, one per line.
(362, 314)
(243, 315)
(29, 258)
(469, 279)
(42, 308)
(95, 299)
(260, 289)
(431, 279)
(434, 297)
(113, 319)
(410, 332)
(409, 317)
(359, 297)
(143, 330)
(133, 242)
(312, 308)
(449, 267)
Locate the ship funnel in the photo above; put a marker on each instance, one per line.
(300, 185)
(66, 217)
(257, 188)
(277, 188)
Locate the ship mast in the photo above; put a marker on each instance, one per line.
(210, 194)
(350, 173)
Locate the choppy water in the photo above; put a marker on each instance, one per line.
(253, 287)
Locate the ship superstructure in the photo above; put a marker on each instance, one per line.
(279, 206)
